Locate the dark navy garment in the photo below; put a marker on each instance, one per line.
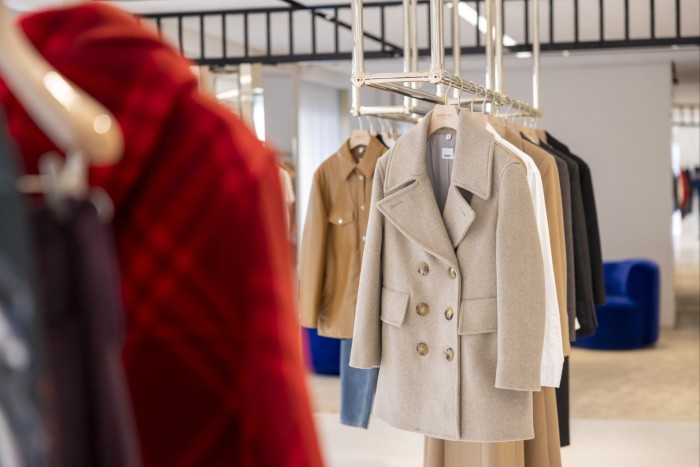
(83, 319)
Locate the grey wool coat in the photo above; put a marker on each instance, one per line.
(451, 303)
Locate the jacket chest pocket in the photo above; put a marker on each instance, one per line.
(343, 227)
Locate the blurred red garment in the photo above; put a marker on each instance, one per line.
(212, 349)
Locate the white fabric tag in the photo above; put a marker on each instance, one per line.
(448, 153)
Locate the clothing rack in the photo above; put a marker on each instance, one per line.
(407, 83)
(686, 115)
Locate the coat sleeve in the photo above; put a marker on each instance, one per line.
(313, 255)
(520, 286)
(367, 335)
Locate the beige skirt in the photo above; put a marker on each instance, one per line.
(542, 451)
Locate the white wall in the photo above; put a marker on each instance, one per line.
(617, 118)
(319, 136)
(280, 128)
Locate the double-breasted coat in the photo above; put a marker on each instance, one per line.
(451, 304)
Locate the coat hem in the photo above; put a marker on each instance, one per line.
(529, 436)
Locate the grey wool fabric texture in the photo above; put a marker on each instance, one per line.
(451, 302)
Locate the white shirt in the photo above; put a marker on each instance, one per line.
(552, 350)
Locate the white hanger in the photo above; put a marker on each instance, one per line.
(360, 137)
(71, 118)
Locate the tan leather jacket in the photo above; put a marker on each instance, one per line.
(333, 239)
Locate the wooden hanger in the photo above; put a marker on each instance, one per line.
(71, 118)
(359, 138)
(443, 116)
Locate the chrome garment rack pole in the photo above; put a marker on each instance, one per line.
(456, 42)
(498, 75)
(437, 41)
(536, 77)
(490, 69)
(407, 32)
(358, 51)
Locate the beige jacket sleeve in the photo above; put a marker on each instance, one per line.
(313, 251)
(367, 334)
(520, 286)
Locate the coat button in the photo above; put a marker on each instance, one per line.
(422, 309)
(453, 273)
(449, 355)
(422, 349)
(449, 313)
(423, 269)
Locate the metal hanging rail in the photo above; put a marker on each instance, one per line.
(402, 83)
(410, 111)
(212, 32)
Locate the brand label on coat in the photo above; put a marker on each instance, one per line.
(448, 153)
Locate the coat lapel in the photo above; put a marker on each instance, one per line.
(472, 173)
(458, 216)
(410, 204)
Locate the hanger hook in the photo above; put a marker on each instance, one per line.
(459, 96)
(369, 122)
(471, 104)
(381, 125)
(510, 107)
(484, 94)
(447, 93)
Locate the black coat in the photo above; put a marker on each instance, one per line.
(589, 205)
(585, 303)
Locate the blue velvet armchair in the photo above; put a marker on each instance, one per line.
(630, 318)
(324, 352)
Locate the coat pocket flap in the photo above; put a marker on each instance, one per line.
(341, 216)
(394, 305)
(478, 316)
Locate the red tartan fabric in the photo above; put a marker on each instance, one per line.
(213, 351)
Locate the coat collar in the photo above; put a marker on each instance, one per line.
(368, 162)
(410, 204)
(472, 167)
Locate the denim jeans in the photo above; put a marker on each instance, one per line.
(357, 388)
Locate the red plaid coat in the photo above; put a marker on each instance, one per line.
(212, 351)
